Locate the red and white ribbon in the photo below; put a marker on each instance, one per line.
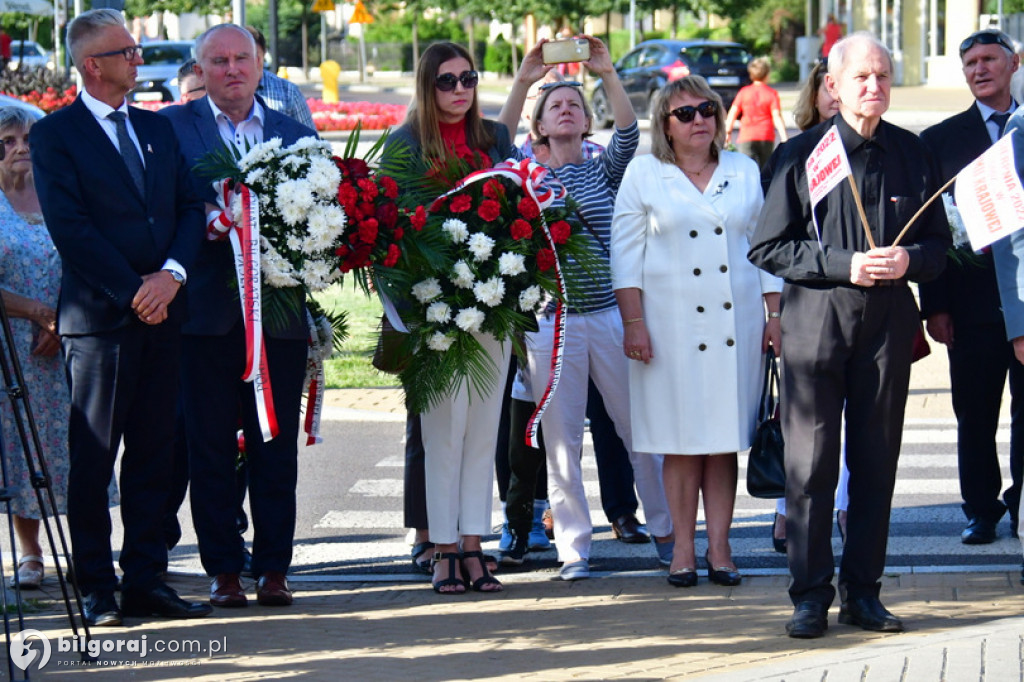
(318, 347)
(532, 177)
(244, 236)
(219, 223)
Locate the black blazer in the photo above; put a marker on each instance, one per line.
(109, 235)
(213, 298)
(967, 291)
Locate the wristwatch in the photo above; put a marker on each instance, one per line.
(178, 277)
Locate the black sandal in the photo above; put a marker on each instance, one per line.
(451, 580)
(422, 566)
(486, 578)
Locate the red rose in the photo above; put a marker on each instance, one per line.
(489, 210)
(368, 231)
(545, 259)
(369, 188)
(560, 231)
(418, 219)
(521, 229)
(461, 204)
(393, 253)
(353, 168)
(387, 215)
(390, 186)
(493, 189)
(528, 208)
(437, 205)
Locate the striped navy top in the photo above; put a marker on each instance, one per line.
(593, 185)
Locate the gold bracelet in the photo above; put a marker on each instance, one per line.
(632, 320)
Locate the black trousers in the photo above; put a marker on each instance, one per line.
(845, 348)
(124, 384)
(979, 362)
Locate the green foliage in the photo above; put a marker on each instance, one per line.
(290, 15)
(761, 28)
(396, 27)
(17, 24)
(786, 72)
(498, 58)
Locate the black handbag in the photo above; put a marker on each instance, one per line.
(766, 466)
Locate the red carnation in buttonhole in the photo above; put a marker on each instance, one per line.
(461, 204)
(545, 259)
(489, 210)
(560, 231)
(528, 208)
(520, 229)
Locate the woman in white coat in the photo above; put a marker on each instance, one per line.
(693, 309)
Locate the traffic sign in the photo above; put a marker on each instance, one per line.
(323, 5)
(360, 15)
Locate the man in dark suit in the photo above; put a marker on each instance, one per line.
(215, 397)
(117, 201)
(962, 308)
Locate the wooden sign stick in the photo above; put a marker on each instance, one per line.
(921, 210)
(860, 209)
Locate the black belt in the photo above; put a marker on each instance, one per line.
(890, 282)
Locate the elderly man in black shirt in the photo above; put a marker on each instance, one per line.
(849, 319)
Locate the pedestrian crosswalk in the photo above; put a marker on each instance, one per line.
(369, 537)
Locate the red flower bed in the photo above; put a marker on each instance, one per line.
(345, 115)
(51, 99)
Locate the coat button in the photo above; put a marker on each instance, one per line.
(718, 230)
(693, 233)
(730, 342)
(723, 268)
(702, 346)
(700, 309)
(727, 305)
(696, 272)
(152, 221)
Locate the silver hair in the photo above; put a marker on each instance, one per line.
(84, 25)
(208, 33)
(15, 118)
(837, 56)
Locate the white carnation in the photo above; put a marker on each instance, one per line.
(463, 275)
(469, 320)
(293, 242)
(254, 176)
(529, 298)
(480, 245)
(511, 264)
(275, 269)
(490, 292)
(439, 341)
(294, 198)
(324, 177)
(325, 226)
(427, 290)
(439, 312)
(318, 274)
(456, 230)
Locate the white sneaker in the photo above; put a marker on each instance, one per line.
(575, 570)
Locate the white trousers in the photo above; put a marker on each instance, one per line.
(458, 443)
(593, 349)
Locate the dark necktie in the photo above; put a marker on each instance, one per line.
(1000, 121)
(129, 152)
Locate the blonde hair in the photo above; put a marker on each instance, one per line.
(759, 69)
(695, 86)
(542, 100)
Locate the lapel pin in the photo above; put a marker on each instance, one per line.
(149, 148)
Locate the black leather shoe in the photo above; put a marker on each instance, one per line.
(684, 577)
(160, 601)
(979, 532)
(778, 544)
(868, 613)
(809, 621)
(627, 528)
(723, 575)
(100, 609)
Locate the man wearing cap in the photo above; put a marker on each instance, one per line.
(962, 308)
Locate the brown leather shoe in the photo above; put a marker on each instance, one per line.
(226, 590)
(272, 590)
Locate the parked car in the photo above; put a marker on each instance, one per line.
(157, 79)
(8, 101)
(32, 54)
(651, 64)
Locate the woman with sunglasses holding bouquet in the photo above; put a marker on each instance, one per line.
(694, 311)
(593, 330)
(444, 124)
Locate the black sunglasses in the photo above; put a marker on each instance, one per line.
(447, 82)
(129, 53)
(686, 114)
(986, 37)
(560, 84)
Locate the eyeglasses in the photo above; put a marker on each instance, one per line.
(986, 37)
(560, 84)
(447, 82)
(129, 53)
(201, 88)
(685, 114)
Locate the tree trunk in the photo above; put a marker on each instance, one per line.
(305, 43)
(471, 36)
(515, 53)
(415, 46)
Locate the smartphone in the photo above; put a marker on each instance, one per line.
(568, 50)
